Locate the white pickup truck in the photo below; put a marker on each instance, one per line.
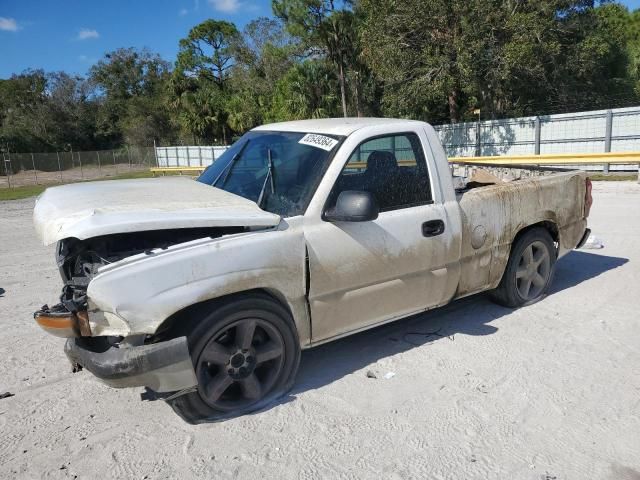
(301, 233)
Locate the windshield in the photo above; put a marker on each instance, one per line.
(278, 170)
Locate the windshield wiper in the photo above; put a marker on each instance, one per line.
(268, 179)
(227, 170)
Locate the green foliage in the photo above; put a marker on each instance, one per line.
(321, 26)
(440, 59)
(132, 105)
(208, 51)
(17, 193)
(436, 60)
(199, 83)
(308, 90)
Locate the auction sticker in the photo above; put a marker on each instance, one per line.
(319, 141)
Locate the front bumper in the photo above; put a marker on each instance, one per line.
(163, 367)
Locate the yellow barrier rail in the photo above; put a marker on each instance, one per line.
(614, 158)
(164, 170)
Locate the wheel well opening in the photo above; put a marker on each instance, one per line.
(181, 322)
(548, 225)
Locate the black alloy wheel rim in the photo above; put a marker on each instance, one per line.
(240, 364)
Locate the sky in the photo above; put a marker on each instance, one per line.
(71, 35)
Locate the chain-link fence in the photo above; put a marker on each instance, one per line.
(20, 169)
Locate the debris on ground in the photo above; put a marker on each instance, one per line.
(371, 374)
(593, 242)
(389, 375)
(482, 388)
(426, 335)
(6, 395)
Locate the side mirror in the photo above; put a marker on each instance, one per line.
(353, 206)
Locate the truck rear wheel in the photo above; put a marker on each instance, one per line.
(529, 270)
(245, 354)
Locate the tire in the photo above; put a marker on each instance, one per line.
(529, 271)
(245, 353)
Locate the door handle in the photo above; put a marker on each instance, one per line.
(432, 228)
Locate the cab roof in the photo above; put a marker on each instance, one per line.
(333, 126)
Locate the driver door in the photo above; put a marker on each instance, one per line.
(369, 272)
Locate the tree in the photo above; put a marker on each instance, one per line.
(307, 91)
(69, 112)
(22, 99)
(320, 25)
(508, 58)
(415, 48)
(131, 95)
(264, 55)
(199, 83)
(337, 33)
(208, 51)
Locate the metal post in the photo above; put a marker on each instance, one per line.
(99, 166)
(155, 152)
(200, 156)
(607, 137)
(59, 167)
(81, 170)
(35, 175)
(129, 156)
(177, 157)
(478, 136)
(188, 157)
(537, 136)
(113, 154)
(5, 162)
(10, 169)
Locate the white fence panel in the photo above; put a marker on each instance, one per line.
(188, 156)
(596, 131)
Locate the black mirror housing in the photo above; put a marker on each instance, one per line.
(353, 206)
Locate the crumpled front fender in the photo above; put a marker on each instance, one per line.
(138, 295)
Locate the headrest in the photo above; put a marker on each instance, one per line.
(380, 161)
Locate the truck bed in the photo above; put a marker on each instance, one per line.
(493, 214)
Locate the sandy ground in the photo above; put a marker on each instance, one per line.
(551, 391)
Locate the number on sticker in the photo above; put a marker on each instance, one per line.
(319, 141)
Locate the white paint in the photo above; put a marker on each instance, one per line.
(336, 126)
(89, 209)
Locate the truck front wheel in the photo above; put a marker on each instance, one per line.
(529, 270)
(245, 354)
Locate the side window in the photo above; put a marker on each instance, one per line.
(392, 168)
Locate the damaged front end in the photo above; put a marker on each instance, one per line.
(62, 321)
(162, 367)
(79, 261)
(100, 341)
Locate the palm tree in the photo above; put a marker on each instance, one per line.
(338, 33)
